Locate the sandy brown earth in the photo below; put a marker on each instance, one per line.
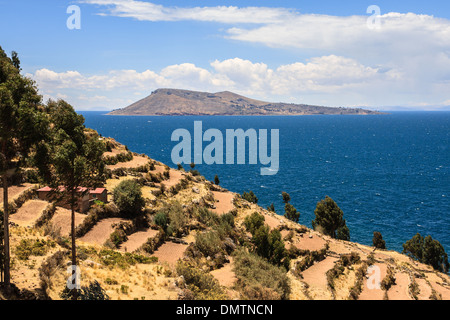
(29, 212)
(174, 178)
(399, 291)
(271, 221)
(225, 275)
(137, 161)
(374, 292)
(15, 191)
(101, 231)
(425, 289)
(314, 243)
(137, 239)
(315, 277)
(224, 202)
(62, 220)
(170, 252)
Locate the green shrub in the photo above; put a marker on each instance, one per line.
(208, 243)
(250, 197)
(29, 247)
(254, 222)
(128, 198)
(258, 279)
(202, 285)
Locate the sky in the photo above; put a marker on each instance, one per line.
(382, 55)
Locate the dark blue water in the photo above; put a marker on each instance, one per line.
(388, 173)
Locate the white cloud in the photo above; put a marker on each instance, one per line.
(328, 80)
(147, 11)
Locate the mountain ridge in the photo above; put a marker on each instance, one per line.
(168, 101)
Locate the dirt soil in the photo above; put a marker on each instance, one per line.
(30, 211)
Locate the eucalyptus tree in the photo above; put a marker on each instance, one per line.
(75, 159)
(22, 125)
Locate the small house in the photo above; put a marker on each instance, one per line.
(84, 197)
(100, 194)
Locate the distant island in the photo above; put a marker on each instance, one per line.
(185, 102)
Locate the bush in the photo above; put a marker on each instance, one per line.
(28, 247)
(128, 198)
(208, 243)
(250, 197)
(291, 213)
(92, 292)
(254, 222)
(378, 241)
(428, 251)
(202, 285)
(329, 220)
(258, 279)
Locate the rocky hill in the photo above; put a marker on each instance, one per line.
(205, 250)
(184, 102)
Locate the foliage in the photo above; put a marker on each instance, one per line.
(128, 198)
(113, 258)
(258, 279)
(172, 218)
(291, 213)
(92, 292)
(286, 197)
(253, 222)
(378, 241)
(203, 285)
(329, 220)
(29, 247)
(216, 180)
(250, 197)
(208, 243)
(428, 251)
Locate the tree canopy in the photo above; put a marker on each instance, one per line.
(330, 220)
(428, 251)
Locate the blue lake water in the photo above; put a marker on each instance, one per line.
(388, 173)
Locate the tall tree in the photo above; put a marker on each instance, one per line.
(76, 160)
(330, 220)
(22, 124)
(428, 251)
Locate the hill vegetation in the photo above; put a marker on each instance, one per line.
(185, 102)
(169, 233)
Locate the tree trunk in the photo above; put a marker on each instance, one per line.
(6, 270)
(74, 249)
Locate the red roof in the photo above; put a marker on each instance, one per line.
(61, 189)
(97, 190)
(45, 189)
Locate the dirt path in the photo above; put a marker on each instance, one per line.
(27, 215)
(313, 244)
(425, 289)
(316, 278)
(62, 220)
(170, 252)
(137, 239)
(225, 275)
(137, 161)
(224, 202)
(101, 231)
(174, 177)
(271, 221)
(399, 291)
(370, 289)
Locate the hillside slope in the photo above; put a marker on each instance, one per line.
(209, 244)
(185, 102)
